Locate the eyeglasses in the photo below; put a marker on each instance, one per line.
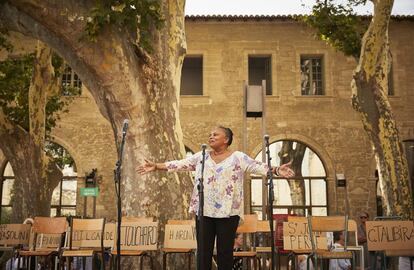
(363, 217)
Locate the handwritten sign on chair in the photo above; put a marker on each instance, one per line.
(14, 234)
(296, 237)
(180, 236)
(390, 235)
(141, 235)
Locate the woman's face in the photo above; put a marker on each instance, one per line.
(217, 138)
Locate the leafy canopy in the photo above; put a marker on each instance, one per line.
(138, 16)
(338, 25)
(15, 77)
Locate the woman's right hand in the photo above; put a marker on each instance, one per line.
(147, 167)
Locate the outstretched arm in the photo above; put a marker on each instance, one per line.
(150, 166)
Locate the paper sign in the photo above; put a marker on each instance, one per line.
(139, 235)
(390, 235)
(92, 238)
(296, 237)
(180, 236)
(14, 234)
(48, 240)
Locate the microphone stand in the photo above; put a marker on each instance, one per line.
(270, 201)
(200, 217)
(117, 178)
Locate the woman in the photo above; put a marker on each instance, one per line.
(223, 191)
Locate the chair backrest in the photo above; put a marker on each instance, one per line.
(249, 224)
(297, 219)
(353, 228)
(328, 223)
(180, 234)
(318, 224)
(47, 233)
(264, 226)
(49, 225)
(81, 227)
(181, 222)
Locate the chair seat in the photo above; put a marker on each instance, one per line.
(400, 253)
(129, 252)
(78, 253)
(244, 254)
(177, 250)
(263, 249)
(301, 251)
(334, 255)
(26, 253)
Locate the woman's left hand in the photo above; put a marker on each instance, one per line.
(285, 170)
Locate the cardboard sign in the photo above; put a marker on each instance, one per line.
(14, 234)
(180, 236)
(296, 237)
(93, 238)
(139, 235)
(110, 234)
(390, 235)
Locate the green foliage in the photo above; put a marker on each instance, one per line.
(338, 25)
(15, 77)
(138, 16)
(60, 155)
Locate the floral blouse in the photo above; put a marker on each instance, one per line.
(223, 182)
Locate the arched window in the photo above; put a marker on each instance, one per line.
(64, 195)
(6, 185)
(306, 193)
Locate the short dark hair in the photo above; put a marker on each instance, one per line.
(337, 235)
(229, 134)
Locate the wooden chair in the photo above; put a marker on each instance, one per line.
(169, 250)
(353, 229)
(81, 247)
(329, 224)
(140, 254)
(248, 227)
(13, 246)
(263, 252)
(45, 228)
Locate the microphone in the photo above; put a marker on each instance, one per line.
(266, 137)
(204, 146)
(125, 126)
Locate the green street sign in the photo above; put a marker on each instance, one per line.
(89, 192)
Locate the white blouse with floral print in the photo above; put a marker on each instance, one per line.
(223, 182)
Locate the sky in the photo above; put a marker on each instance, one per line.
(276, 7)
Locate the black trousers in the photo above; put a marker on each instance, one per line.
(225, 231)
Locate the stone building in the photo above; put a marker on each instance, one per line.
(307, 101)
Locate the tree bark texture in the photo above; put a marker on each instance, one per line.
(297, 186)
(369, 87)
(36, 175)
(126, 83)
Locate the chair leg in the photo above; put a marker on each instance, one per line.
(189, 261)
(308, 263)
(164, 261)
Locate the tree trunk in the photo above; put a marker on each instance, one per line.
(36, 175)
(369, 87)
(297, 186)
(127, 83)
